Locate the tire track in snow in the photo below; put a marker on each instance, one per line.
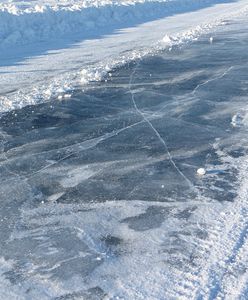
(221, 271)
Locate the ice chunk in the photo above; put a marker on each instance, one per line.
(201, 171)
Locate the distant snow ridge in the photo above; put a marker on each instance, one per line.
(26, 22)
(65, 83)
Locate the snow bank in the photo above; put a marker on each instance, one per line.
(60, 86)
(49, 49)
(29, 22)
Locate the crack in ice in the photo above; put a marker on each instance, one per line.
(162, 140)
(93, 143)
(211, 80)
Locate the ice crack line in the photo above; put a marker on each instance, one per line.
(81, 147)
(212, 79)
(163, 141)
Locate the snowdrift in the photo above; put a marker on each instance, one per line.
(24, 24)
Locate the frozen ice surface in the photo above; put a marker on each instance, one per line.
(99, 192)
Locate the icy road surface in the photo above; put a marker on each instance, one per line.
(99, 193)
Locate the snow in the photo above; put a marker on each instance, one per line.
(47, 47)
(201, 171)
(40, 21)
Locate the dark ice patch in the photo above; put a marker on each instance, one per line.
(152, 218)
(95, 293)
(186, 213)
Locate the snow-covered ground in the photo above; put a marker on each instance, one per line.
(48, 48)
(28, 22)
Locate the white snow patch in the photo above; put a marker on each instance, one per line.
(26, 22)
(201, 171)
